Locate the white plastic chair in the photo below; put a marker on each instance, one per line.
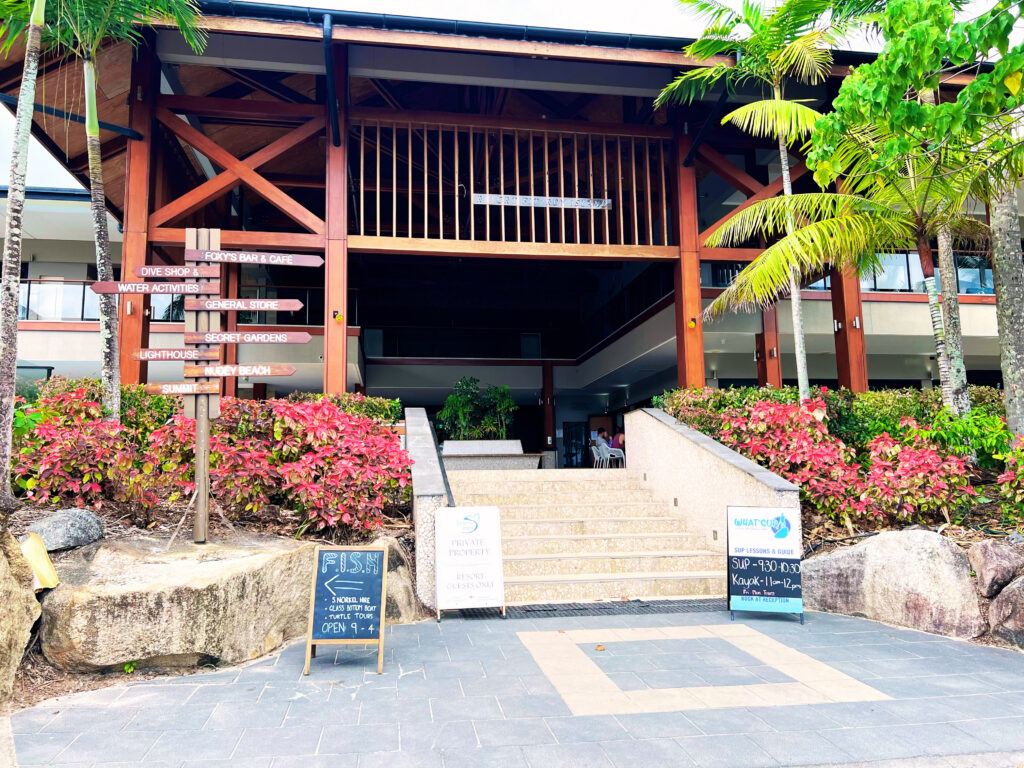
(617, 454)
(609, 454)
(600, 461)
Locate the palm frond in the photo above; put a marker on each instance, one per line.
(771, 118)
(807, 58)
(693, 84)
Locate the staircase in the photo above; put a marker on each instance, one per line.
(576, 535)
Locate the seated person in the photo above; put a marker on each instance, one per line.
(602, 438)
(619, 441)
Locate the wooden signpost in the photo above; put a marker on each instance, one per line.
(348, 599)
(204, 339)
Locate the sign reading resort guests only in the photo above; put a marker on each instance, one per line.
(765, 547)
(468, 559)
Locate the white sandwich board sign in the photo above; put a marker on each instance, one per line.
(468, 564)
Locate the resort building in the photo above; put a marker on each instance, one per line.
(493, 201)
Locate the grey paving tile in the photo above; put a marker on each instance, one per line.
(197, 745)
(540, 705)
(187, 717)
(658, 725)
(319, 714)
(570, 730)
(271, 742)
(108, 745)
(800, 747)
(82, 719)
(97, 698)
(856, 714)
(516, 666)
(939, 685)
(214, 694)
(628, 681)
(537, 685)
(461, 669)
(730, 675)
(512, 733)
(902, 741)
(401, 760)
(416, 686)
(157, 695)
(765, 674)
(420, 737)
(1002, 734)
(799, 717)
(720, 721)
(316, 761)
(638, 662)
(243, 762)
(506, 685)
(296, 691)
(479, 757)
(344, 739)
(33, 720)
(395, 711)
(726, 752)
(40, 748)
(673, 678)
(654, 752)
(238, 714)
(565, 756)
(466, 708)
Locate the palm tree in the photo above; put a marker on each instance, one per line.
(82, 28)
(918, 199)
(12, 26)
(774, 44)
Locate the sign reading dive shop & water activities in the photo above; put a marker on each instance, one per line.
(349, 593)
(468, 558)
(177, 270)
(534, 201)
(254, 257)
(765, 547)
(200, 289)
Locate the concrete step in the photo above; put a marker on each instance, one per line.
(487, 499)
(599, 543)
(613, 562)
(544, 486)
(619, 526)
(545, 475)
(601, 586)
(577, 511)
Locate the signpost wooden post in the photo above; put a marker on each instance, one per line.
(348, 599)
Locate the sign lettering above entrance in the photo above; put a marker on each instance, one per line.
(184, 388)
(254, 257)
(110, 286)
(247, 337)
(176, 270)
(533, 201)
(224, 371)
(348, 597)
(765, 547)
(176, 354)
(468, 559)
(243, 305)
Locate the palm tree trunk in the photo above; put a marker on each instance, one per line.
(110, 360)
(959, 396)
(924, 253)
(1008, 279)
(11, 275)
(795, 303)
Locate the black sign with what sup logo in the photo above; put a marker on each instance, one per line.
(348, 599)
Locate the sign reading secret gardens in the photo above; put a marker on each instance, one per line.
(765, 546)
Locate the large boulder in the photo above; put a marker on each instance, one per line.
(1006, 613)
(68, 528)
(914, 579)
(122, 602)
(995, 564)
(403, 607)
(19, 610)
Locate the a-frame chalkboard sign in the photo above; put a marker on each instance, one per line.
(348, 600)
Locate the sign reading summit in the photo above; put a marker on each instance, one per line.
(765, 546)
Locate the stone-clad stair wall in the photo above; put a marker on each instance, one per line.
(590, 534)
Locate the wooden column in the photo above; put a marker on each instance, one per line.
(336, 253)
(689, 329)
(133, 311)
(769, 360)
(230, 276)
(847, 314)
(548, 403)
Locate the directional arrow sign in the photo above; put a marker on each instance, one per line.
(154, 288)
(176, 270)
(190, 353)
(247, 337)
(224, 371)
(184, 388)
(255, 257)
(236, 305)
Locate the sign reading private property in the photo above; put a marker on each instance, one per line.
(254, 257)
(468, 558)
(109, 286)
(765, 547)
(348, 599)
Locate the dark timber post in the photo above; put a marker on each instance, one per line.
(336, 252)
(689, 328)
(848, 324)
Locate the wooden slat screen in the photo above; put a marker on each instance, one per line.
(418, 180)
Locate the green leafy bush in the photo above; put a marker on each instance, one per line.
(383, 410)
(981, 436)
(1011, 481)
(470, 413)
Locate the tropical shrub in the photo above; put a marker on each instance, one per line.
(384, 410)
(979, 435)
(470, 413)
(1011, 481)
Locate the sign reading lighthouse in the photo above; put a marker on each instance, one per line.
(765, 546)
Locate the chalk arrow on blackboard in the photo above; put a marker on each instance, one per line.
(339, 587)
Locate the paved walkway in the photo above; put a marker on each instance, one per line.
(675, 689)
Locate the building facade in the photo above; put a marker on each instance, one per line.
(491, 201)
